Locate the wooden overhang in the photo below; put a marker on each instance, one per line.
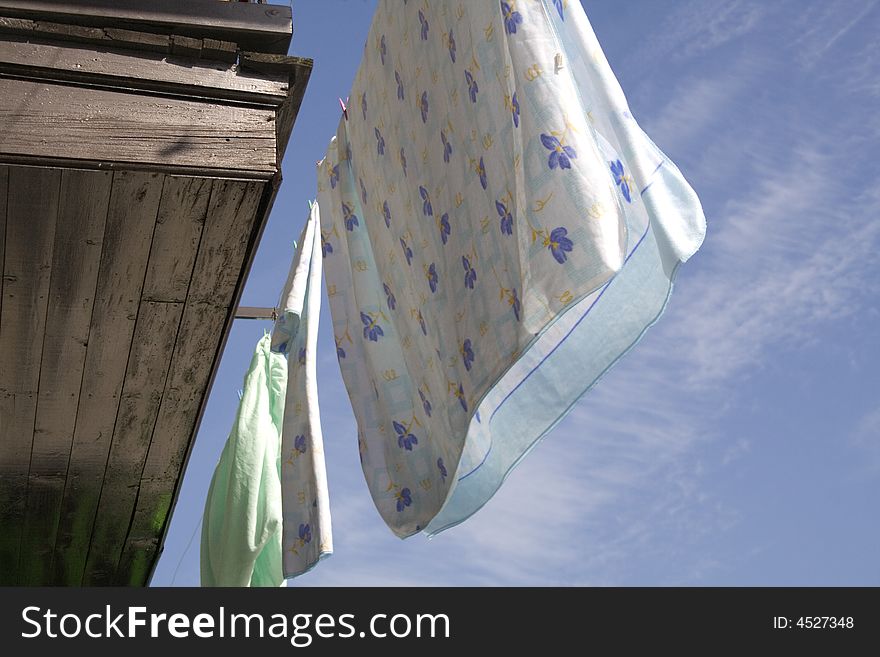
(139, 160)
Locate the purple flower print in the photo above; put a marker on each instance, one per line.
(472, 86)
(467, 354)
(372, 330)
(443, 224)
(380, 142)
(389, 297)
(424, 29)
(512, 18)
(620, 180)
(404, 499)
(447, 147)
(560, 156)
(470, 274)
(426, 404)
(427, 208)
(407, 252)
(349, 217)
(506, 218)
(399, 85)
(481, 172)
(423, 106)
(405, 439)
(559, 244)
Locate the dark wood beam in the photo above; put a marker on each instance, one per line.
(60, 121)
(267, 28)
(82, 212)
(32, 210)
(298, 70)
(125, 251)
(122, 70)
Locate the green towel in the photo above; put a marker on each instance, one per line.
(241, 528)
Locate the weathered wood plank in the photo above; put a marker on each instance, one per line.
(218, 269)
(253, 26)
(153, 510)
(211, 49)
(194, 353)
(176, 239)
(297, 70)
(145, 378)
(197, 344)
(228, 227)
(32, 209)
(224, 51)
(95, 124)
(141, 70)
(4, 185)
(142, 40)
(185, 46)
(290, 109)
(266, 63)
(137, 558)
(82, 213)
(103, 165)
(134, 205)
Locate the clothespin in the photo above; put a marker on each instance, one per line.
(344, 109)
(310, 205)
(558, 62)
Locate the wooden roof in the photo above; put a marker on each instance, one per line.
(137, 170)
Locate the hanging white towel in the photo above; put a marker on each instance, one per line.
(307, 535)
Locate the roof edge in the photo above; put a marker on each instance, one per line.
(257, 27)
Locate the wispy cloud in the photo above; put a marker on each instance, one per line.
(796, 250)
(694, 107)
(863, 77)
(866, 438)
(695, 27)
(821, 26)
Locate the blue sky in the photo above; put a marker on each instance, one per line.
(755, 456)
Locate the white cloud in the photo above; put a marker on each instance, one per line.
(866, 438)
(693, 108)
(863, 75)
(696, 27)
(737, 450)
(821, 26)
(794, 251)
